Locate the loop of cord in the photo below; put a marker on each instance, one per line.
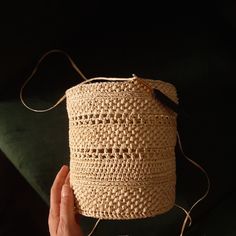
(35, 70)
(188, 217)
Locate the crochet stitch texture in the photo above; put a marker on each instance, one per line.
(122, 149)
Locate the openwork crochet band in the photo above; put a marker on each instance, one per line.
(122, 148)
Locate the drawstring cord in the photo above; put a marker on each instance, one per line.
(94, 227)
(35, 70)
(201, 198)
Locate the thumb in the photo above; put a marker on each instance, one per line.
(67, 205)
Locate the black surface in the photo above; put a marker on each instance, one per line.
(22, 211)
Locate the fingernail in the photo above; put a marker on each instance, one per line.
(64, 166)
(65, 192)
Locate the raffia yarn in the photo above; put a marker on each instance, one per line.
(122, 149)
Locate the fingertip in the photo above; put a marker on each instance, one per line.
(63, 171)
(64, 167)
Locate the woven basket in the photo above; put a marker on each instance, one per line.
(122, 149)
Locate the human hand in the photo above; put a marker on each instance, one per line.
(61, 219)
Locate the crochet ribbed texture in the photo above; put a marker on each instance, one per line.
(122, 149)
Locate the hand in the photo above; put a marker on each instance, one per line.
(61, 220)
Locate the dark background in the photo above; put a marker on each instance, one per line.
(190, 44)
(115, 38)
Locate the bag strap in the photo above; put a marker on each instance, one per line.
(35, 70)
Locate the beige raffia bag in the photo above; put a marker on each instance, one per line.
(122, 138)
(122, 148)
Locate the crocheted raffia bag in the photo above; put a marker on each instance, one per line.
(122, 138)
(122, 148)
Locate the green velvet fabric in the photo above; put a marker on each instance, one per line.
(36, 143)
